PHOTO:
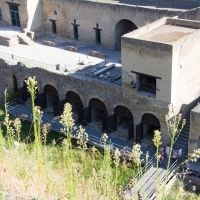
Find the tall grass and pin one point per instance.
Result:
(69, 169)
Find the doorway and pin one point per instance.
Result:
(53, 25)
(122, 27)
(14, 14)
(145, 130)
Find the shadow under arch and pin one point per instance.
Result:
(122, 122)
(122, 27)
(145, 130)
(96, 113)
(51, 98)
(77, 107)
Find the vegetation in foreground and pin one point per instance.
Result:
(59, 168)
(37, 164)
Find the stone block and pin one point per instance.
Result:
(97, 54)
(31, 34)
(71, 48)
(49, 43)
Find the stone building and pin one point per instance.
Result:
(159, 57)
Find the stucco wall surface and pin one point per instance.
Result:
(35, 16)
(149, 58)
(89, 13)
(186, 70)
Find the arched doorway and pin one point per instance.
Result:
(122, 27)
(52, 99)
(125, 123)
(76, 103)
(98, 114)
(145, 130)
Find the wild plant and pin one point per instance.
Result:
(157, 142)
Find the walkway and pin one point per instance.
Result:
(17, 109)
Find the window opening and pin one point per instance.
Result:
(14, 13)
(147, 84)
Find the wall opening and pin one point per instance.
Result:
(14, 80)
(75, 29)
(14, 14)
(97, 34)
(75, 101)
(52, 98)
(98, 111)
(53, 26)
(122, 27)
(125, 123)
(150, 124)
(147, 84)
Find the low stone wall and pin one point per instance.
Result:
(49, 43)
(8, 41)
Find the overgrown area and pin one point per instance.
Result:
(37, 163)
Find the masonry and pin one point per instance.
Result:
(158, 65)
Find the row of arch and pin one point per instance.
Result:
(95, 112)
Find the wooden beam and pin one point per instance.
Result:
(13, 4)
(75, 24)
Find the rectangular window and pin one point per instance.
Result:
(14, 14)
(147, 84)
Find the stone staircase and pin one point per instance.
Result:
(24, 39)
(182, 140)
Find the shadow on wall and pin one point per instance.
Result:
(186, 108)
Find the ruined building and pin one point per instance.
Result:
(147, 66)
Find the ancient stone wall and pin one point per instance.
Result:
(88, 13)
(87, 89)
(194, 136)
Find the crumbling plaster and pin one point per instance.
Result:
(88, 13)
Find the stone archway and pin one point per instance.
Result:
(125, 122)
(52, 99)
(145, 130)
(122, 27)
(74, 99)
(98, 114)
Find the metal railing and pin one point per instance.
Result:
(33, 63)
(171, 170)
(140, 174)
(13, 108)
